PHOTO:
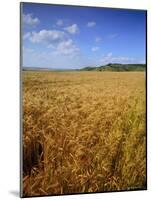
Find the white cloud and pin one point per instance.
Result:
(57, 41)
(109, 58)
(91, 24)
(67, 48)
(45, 36)
(28, 19)
(73, 29)
(48, 60)
(59, 22)
(95, 49)
(97, 39)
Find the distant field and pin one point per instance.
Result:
(83, 132)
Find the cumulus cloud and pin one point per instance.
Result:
(28, 19)
(67, 48)
(91, 24)
(73, 29)
(95, 49)
(57, 41)
(45, 36)
(59, 22)
(109, 58)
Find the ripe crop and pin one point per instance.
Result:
(83, 132)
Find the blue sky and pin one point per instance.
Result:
(74, 37)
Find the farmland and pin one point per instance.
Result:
(83, 132)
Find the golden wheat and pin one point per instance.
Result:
(83, 132)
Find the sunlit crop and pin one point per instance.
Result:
(83, 132)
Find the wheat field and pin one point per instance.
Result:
(83, 132)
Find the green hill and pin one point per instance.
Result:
(117, 67)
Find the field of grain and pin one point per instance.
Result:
(83, 132)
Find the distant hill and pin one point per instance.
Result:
(88, 69)
(46, 69)
(35, 69)
(116, 67)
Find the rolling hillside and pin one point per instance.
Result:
(117, 67)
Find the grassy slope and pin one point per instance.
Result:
(117, 67)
